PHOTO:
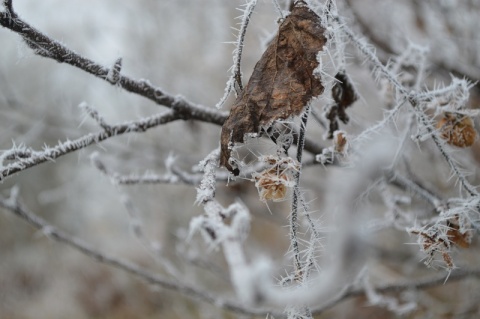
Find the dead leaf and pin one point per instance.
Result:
(344, 95)
(282, 83)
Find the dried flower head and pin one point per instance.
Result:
(272, 183)
(457, 129)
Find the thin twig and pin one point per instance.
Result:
(296, 191)
(236, 77)
(173, 176)
(237, 72)
(96, 116)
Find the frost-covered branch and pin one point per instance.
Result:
(296, 197)
(236, 77)
(13, 205)
(32, 158)
(453, 67)
(415, 99)
(47, 47)
(216, 231)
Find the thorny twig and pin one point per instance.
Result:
(414, 99)
(296, 193)
(236, 77)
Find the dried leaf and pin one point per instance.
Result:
(344, 95)
(282, 82)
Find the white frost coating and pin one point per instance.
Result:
(206, 191)
(240, 224)
(215, 231)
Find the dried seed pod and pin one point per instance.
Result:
(271, 186)
(272, 183)
(457, 129)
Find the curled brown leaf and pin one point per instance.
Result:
(282, 82)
